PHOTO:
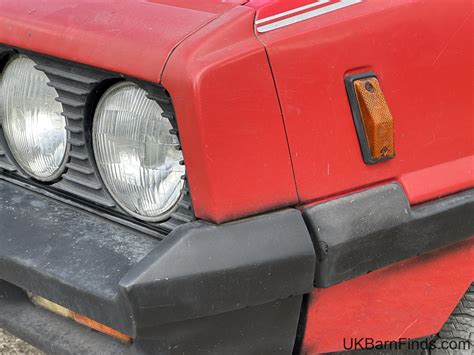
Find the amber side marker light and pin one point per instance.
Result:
(79, 318)
(372, 117)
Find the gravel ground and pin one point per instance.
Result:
(10, 345)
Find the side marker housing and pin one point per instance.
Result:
(372, 117)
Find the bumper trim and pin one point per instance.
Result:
(365, 231)
(67, 255)
(202, 269)
(268, 328)
(50, 332)
(195, 282)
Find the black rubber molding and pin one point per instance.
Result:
(234, 288)
(365, 231)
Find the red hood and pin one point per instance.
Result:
(131, 37)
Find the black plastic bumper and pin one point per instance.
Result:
(368, 230)
(234, 288)
(53, 333)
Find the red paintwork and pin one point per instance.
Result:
(439, 180)
(235, 139)
(233, 136)
(422, 53)
(411, 299)
(266, 8)
(212, 6)
(134, 38)
(425, 184)
(245, 167)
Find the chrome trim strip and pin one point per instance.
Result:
(289, 12)
(307, 15)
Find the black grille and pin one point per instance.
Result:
(79, 88)
(5, 162)
(75, 85)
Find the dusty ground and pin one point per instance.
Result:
(10, 345)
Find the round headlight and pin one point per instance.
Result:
(136, 154)
(31, 118)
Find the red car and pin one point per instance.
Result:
(236, 177)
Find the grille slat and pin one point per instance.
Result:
(159, 99)
(78, 155)
(186, 205)
(74, 129)
(72, 115)
(80, 169)
(5, 162)
(67, 75)
(69, 88)
(76, 142)
(70, 102)
(185, 218)
(94, 185)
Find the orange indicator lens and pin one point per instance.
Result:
(79, 318)
(376, 117)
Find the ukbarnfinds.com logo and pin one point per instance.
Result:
(405, 344)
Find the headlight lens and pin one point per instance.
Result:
(32, 122)
(136, 154)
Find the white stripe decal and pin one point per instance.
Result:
(306, 15)
(289, 12)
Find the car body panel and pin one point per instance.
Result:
(408, 300)
(238, 164)
(422, 54)
(135, 38)
(439, 180)
(233, 136)
(212, 6)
